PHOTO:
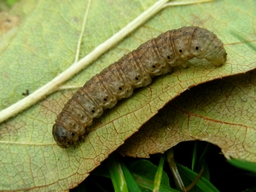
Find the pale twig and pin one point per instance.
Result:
(82, 32)
(186, 3)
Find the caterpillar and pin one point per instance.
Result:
(136, 69)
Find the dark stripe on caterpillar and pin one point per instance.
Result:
(136, 69)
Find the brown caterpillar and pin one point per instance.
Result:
(136, 69)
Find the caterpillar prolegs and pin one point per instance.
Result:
(135, 69)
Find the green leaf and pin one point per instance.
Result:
(246, 165)
(144, 173)
(202, 183)
(116, 174)
(221, 112)
(158, 175)
(131, 183)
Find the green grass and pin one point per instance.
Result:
(133, 174)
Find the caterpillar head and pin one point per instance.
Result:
(63, 137)
(218, 59)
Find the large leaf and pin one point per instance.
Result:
(221, 112)
(46, 44)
